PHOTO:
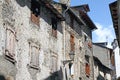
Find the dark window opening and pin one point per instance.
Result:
(71, 21)
(54, 27)
(87, 58)
(70, 69)
(85, 37)
(35, 11)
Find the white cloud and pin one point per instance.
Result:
(103, 34)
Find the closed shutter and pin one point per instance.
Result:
(10, 43)
(87, 69)
(34, 56)
(72, 43)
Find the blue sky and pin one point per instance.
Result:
(100, 15)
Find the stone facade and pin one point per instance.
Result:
(35, 42)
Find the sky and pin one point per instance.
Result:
(100, 15)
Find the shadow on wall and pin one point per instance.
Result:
(58, 75)
(24, 3)
(100, 77)
(2, 77)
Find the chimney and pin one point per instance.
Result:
(66, 2)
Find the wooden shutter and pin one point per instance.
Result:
(87, 69)
(34, 56)
(10, 43)
(72, 43)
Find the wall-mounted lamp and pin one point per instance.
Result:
(71, 55)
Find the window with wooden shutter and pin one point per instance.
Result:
(87, 69)
(34, 52)
(35, 12)
(10, 43)
(72, 43)
(87, 66)
(54, 27)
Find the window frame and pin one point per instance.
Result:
(32, 60)
(10, 44)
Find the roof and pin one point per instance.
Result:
(71, 11)
(52, 9)
(87, 20)
(102, 44)
(83, 9)
(83, 18)
(114, 14)
(100, 64)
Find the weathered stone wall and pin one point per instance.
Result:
(16, 14)
(80, 47)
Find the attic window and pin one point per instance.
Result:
(54, 27)
(35, 12)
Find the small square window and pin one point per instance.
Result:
(54, 27)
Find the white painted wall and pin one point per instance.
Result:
(117, 61)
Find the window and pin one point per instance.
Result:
(72, 43)
(34, 52)
(89, 44)
(71, 69)
(35, 11)
(54, 68)
(10, 44)
(87, 66)
(87, 69)
(85, 38)
(54, 27)
(54, 64)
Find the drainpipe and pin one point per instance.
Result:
(93, 61)
(64, 58)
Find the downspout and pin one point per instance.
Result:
(64, 58)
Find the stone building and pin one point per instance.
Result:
(44, 40)
(77, 32)
(103, 62)
(115, 14)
